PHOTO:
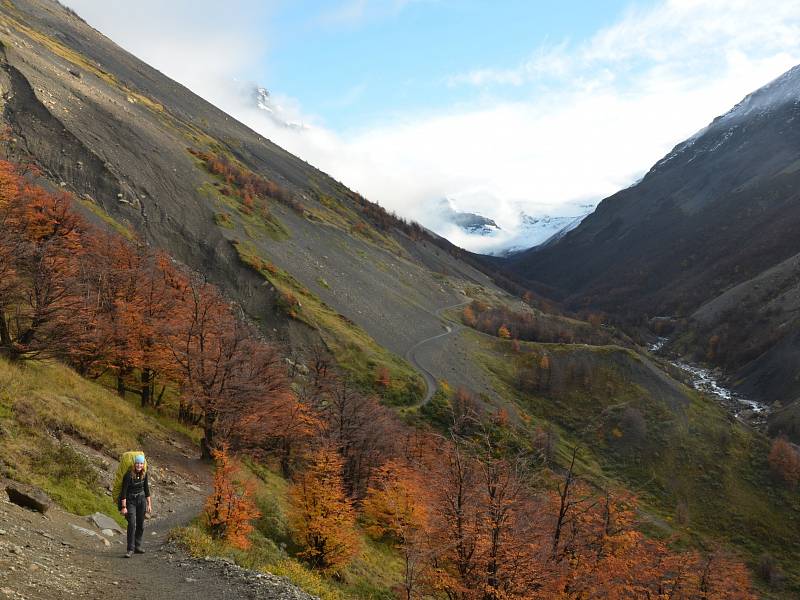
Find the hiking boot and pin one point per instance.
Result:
(128, 554)
(139, 551)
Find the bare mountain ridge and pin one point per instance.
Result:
(706, 223)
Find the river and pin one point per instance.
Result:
(705, 380)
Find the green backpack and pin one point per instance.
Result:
(125, 465)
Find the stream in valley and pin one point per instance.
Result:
(707, 381)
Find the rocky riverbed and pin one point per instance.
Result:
(709, 382)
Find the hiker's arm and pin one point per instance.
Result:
(147, 492)
(124, 492)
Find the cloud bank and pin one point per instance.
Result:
(572, 124)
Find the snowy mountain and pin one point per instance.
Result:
(540, 230)
(502, 235)
(264, 101)
(469, 222)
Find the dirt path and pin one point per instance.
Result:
(411, 355)
(61, 555)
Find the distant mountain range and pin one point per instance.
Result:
(527, 232)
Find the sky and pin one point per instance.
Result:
(503, 107)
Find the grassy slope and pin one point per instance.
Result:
(693, 455)
(40, 404)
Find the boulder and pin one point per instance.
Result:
(102, 521)
(28, 497)
(90, 533)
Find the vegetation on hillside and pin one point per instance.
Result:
(500, 523)
(369, 365)
(248, 188)
(535, 326)
(699, 472)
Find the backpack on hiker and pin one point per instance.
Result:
(125, 465)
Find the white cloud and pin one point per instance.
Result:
(587, 119)
(199, 43)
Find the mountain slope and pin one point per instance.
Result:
(117, 133)
(718, 211)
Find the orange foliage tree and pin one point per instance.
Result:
(784, 460)
(229, 509)
(396, 509)
(281, 425)
(321, 516)
(224, 369)
(360, 428)
(40, 250)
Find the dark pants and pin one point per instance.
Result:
(136, 507)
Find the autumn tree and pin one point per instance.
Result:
(40, 250)
(321, 516)
(468, 316)
(159, 286)
(382, 377)
(224, 368)
(456, 519)
(511, 560)
(466, 411)
(229, 510)
(102, 346)
(784, 460)
(360, 428)
(279, 426)
(396, 509)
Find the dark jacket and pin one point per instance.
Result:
(132, 487)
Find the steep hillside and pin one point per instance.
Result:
(119, 135)
(709, 226)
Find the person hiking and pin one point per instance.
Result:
(135, 499)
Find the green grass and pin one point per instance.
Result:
(352, 347)
(97, 210)
(232, 213)
(371, 574)
(40, 403)
(336, 213)
(223, 219)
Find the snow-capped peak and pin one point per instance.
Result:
(264, 101)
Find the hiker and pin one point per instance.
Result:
(135, 500)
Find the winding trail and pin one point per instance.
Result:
(411, 354)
